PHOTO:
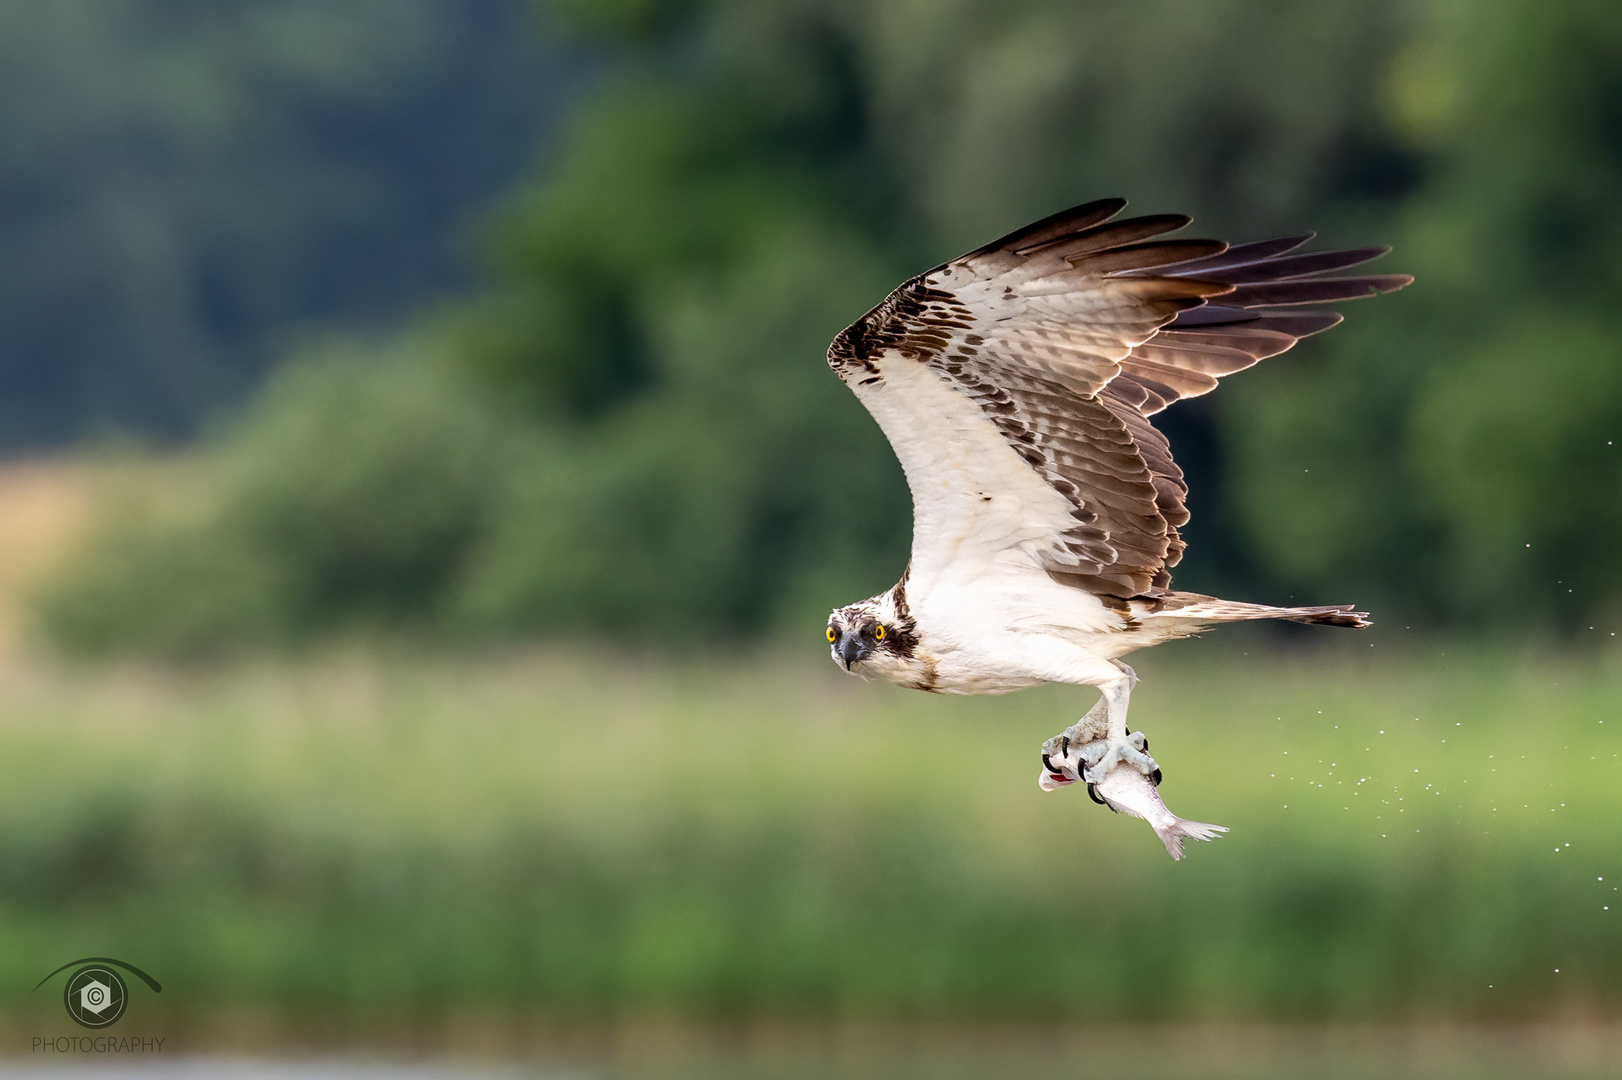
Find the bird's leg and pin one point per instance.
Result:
(1093, 746)
(1118, 745)
(1062, 755)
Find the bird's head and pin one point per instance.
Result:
(871, 637)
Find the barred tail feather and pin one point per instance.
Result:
(1191, 607)
(1332, 615)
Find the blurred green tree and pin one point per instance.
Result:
(1463, 459)
(184, 185)
(347, 498)
(750, 178)
(743, 180)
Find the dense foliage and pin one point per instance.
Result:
(346, 497)
(755, 176)
(742, 180)
(560, 841)
(1465, 450)
(185, 184)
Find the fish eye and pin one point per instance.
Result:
(833, 635)
(878, 632)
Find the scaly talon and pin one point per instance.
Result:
(1093, 746)
(1103, 756)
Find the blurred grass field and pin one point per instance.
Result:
(547, 837)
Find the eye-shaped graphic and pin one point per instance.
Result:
(95, 996)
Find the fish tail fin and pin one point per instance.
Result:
(1172, 835)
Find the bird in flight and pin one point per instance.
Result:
(1016, 385)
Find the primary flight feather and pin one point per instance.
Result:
(1015, 384)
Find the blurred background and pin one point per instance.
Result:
(423, 492)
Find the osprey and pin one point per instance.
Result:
(1016, 385)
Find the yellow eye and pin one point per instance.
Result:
(878, 632)
(831, 635)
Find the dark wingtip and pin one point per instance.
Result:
(1054, 226)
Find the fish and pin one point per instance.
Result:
(1124, 790)
(1127, 791)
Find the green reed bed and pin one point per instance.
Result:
(1416, 836)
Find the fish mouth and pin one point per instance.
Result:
(1054, 777)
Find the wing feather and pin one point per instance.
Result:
(1137, 258)
(1016, 383)
(1053, 227)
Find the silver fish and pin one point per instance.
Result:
(1127, 790)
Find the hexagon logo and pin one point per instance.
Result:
(95, 997)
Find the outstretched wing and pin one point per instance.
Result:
(1015, 383)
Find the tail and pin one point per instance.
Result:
(1172, 835)
(1193, 607)
(1330, 615)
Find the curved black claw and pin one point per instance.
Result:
(1064, 752)
(1156, 776)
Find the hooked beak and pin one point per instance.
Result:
(851, 650)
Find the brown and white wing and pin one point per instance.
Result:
(1015, 384)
